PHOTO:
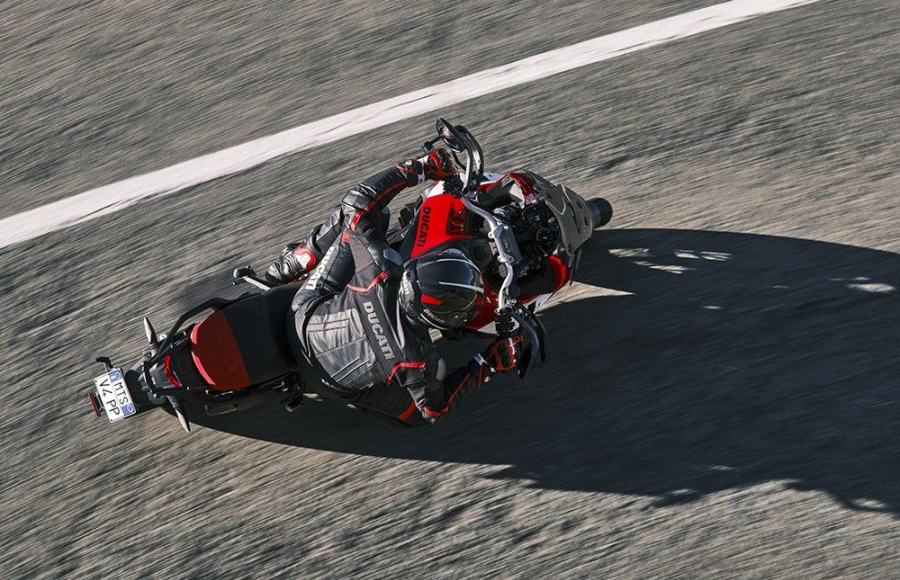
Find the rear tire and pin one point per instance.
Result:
(601, 211)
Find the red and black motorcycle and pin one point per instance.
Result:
(523, 232)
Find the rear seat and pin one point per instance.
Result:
(243, 344)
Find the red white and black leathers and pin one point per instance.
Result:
(350, 329)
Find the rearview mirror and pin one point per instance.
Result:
(449, 135)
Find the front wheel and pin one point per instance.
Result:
(601, 211)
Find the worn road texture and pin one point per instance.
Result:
(722, 396)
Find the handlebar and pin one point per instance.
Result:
(500, 234)
(459, 140)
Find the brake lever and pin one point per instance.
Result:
(544, 335)
(526, 362)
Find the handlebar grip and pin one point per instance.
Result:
(428, 146)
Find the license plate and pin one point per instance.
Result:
(114, 395)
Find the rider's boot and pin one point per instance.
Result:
(296, 260)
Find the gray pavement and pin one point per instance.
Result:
(97, 91)
(722, 397)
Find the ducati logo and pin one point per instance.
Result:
(378, 328)
(424, 223)
(316, 275)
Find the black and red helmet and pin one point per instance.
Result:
(442, 290)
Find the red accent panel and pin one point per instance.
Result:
(441, 219)
(521, 178)
(408, 412)
(345, 237)
(560, 271)
(428, 299)
(403, 365)
(486, 185)
(485, 313)
(524, 182)
(456, 221)
(167, 368)
(377, 279)
(217, 355)
(97, 411)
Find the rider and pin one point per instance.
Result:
(362, 317)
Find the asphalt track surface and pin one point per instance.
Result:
(722, 397)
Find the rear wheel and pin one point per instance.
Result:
(601, 211)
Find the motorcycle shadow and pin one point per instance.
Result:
(683, 363)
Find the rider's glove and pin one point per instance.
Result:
(438, 164)
(500, 357)
(435, 166)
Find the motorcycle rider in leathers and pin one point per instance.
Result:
(362, 317)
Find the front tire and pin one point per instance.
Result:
(601, 211)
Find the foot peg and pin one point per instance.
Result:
(248, 274)
(244, 271)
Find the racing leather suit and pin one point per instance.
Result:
(351, 333)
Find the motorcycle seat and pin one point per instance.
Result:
(245, 343)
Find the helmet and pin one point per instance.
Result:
(442, 290)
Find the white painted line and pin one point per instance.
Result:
(114, 197)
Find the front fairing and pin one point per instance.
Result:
(572, 213)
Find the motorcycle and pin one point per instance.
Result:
(523, 232)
